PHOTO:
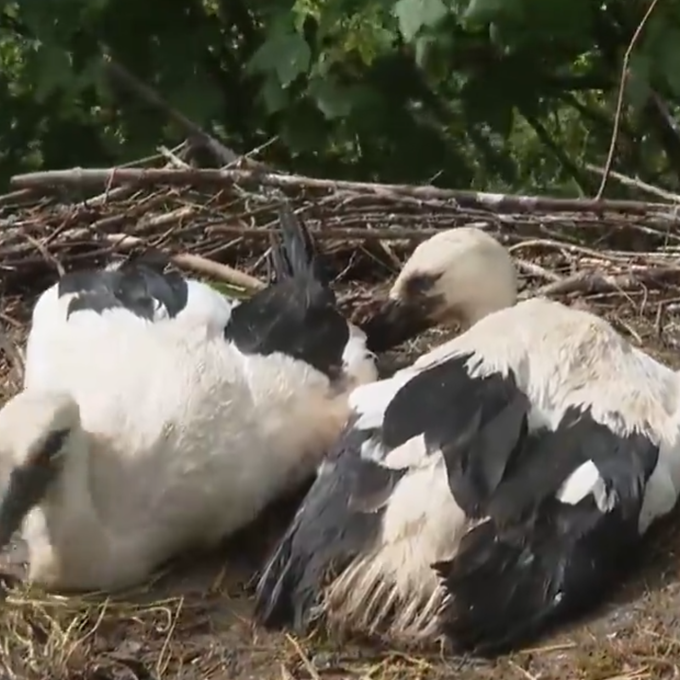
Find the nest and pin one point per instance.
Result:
(618, 257)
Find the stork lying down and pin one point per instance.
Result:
(497, 486)
(158, 416)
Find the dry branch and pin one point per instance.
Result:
(97, 177)
(623, 81)
(195, 263)
(636, 184)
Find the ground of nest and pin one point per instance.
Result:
(194, 621)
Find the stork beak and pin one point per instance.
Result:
(395, 322)
(27, 486)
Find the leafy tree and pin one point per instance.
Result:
(498, 94)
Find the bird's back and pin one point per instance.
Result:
(562, 356)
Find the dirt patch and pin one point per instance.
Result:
(194, 622)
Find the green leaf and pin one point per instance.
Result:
(285, 53)
(638, 85)
(304, 129)
(196, 97)
(482, 12)
(331, 99)
(668, 48)
(40, 18)
(487, 101)
(423, 49)
(413, 15)
(275, 98)
(51, 71)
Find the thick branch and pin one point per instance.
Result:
(586, 81)
(80, 178)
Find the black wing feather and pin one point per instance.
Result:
(136, 286)
(297, 315)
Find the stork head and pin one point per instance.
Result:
(453, 279)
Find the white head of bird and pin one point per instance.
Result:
(455, 278)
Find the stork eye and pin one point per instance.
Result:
(420, 284)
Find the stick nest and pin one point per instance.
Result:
(218, 223)
(619, 257)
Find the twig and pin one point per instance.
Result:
(637, 183)
(124, 192)
(81, 177)
(149, 160)
(309, 666)
(569, 247)
(46, 254)
(14, 196)
(333, 234)
(589, 282)
(173, 160)
(619, 101)
(249, 155)
(522, 671)
(535, 270)
(144, 223)
(199, 264)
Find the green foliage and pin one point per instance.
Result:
(416, 14)
(501, 94)
(284, 53)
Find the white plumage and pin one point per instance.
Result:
(158, 416)
(498, 485)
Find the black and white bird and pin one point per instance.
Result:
(497, 486)
(158, 416)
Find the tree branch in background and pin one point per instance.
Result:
(567, 164)
(663, 127)
(636, 183)
(619, 100)
(196, 135)
(594, 115)
(575, 83)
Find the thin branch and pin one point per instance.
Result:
(196, 263)
(15, 358)
(636, 183)
(664, 128)
(563, 159)
(619, 100)
(588, 282)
